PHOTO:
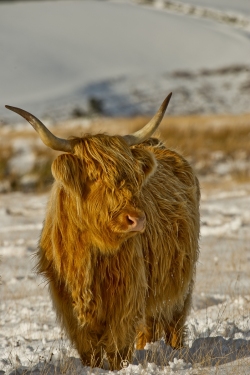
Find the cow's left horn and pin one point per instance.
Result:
(46, 136)
(146, 132)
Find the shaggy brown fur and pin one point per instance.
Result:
(112, 287)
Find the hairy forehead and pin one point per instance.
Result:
(108, 156)
(101, 146)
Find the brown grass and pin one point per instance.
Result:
(205, 141)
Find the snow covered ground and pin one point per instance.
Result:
(58, 55)
(218, 326)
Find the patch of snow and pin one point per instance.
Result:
(21, 228)
(218, 230)
(22, 163)
(17, 251)
(179, 364)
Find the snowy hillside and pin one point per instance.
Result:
(58, 56)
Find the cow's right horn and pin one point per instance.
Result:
(46, 136)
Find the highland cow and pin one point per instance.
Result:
(119, 244)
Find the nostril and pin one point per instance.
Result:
(136, 223)
(131, 221)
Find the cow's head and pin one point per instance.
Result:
(103, 177)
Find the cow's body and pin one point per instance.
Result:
(109, 298)
(120, 240)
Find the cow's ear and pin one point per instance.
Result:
(69, 170)
(146, 160)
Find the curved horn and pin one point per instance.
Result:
(146, 132)
(46, 136)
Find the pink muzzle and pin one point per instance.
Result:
(136, 224)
